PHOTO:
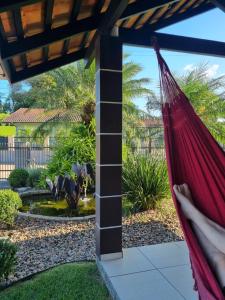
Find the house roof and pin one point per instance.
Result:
(40, 115)
(37, 36)
(152, 122)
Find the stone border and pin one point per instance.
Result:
(50, 218)
(32, 192)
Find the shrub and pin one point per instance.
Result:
(35, 176)
(145, 181)
(18, 178)
(7, 257)
(78, 148)
(10, 202)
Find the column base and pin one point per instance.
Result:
(111, 256)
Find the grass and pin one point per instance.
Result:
(67, 282)
(7, 130)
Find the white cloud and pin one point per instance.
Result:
(189, 67)
(210, 72)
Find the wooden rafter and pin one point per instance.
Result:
(47, 66)
(75, 27)
(113, 13)
(142, 6)
(49, 4)
(178, 17)
(101, 22)
(44, 39)
(73, 17)
(95, 12)
(13, 4)
(6, 65)
(19, 31)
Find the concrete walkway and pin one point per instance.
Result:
(155, 272)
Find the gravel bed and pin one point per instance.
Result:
(43, 244)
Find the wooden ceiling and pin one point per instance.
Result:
(37, 36)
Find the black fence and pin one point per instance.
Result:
(22, 153)
(147, 141)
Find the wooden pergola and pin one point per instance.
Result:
(37, 36)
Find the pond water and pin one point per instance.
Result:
(47, 206)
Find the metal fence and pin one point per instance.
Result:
(22, 153)
(148, 141)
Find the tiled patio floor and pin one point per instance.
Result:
(155, 272)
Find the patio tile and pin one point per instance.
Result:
(182, 245)
(166, 255)
(133, 261)
(181, 278)
(144, 286)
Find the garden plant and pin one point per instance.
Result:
(7, 258)
(18, 178)
(10, 202)
(145, 181)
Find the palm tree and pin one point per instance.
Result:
(206, 94)
(73, 87)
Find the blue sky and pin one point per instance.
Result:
(209, 25)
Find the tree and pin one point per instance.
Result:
(73, 87)
(206, 94)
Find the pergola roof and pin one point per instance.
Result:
(37, 36)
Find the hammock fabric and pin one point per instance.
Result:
(193, 157)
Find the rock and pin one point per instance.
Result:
(43, 243)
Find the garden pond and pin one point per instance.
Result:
(45, 205)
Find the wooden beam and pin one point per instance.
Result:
(12, 4)
(143, 37)
(47, 66)
(178, 17)
(46, 38)
(49, 4)
(75, 27)
(96, 11)
(138, 21)
(219, 3)
(75, 10)
(19, 31)
(142, 6)
(5, 64)
(138, 7)
(113, 13)
(73, 17)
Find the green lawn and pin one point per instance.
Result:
(7, 130)
(79, 281)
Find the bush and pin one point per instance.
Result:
(7, 257)
(35, 176)
(18, 178)
(78, 148)
(10, 202)
(145, 181)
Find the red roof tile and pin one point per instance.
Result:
(152, 122)
(40, 115)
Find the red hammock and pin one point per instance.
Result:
(193, 157)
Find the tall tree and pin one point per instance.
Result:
(73, 87)
(206, 94)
